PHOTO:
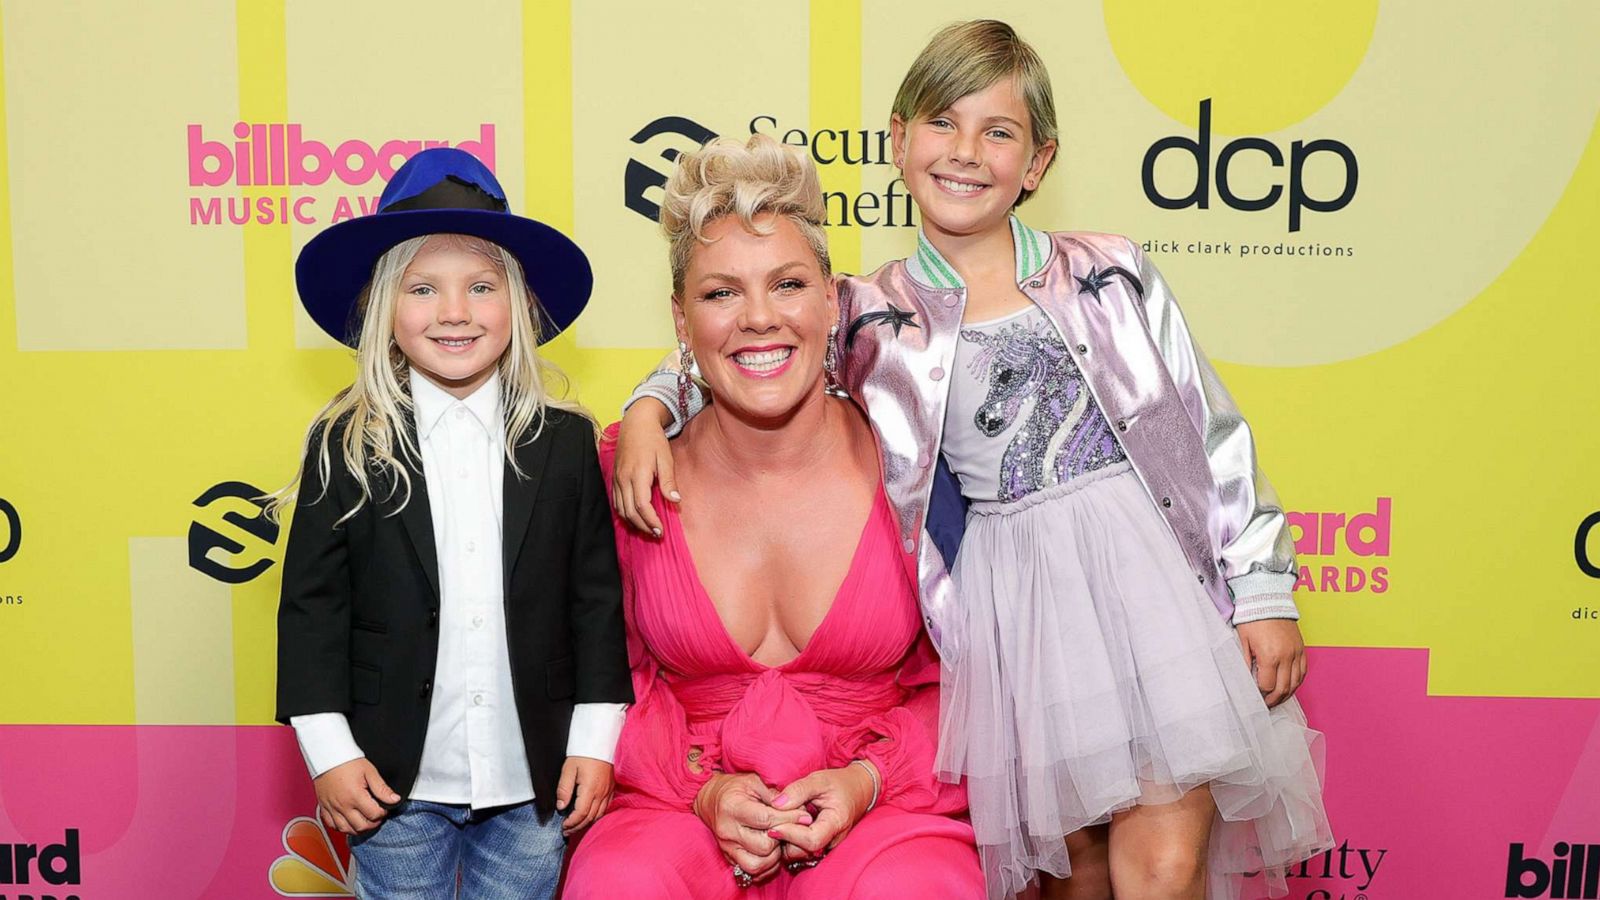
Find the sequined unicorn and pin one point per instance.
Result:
(1026, 363)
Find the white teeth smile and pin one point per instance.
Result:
(765, 360)
(958, 186)
(455, 342)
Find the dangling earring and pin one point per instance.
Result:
(830, 364)
(685, 363)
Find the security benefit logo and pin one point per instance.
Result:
(1343, 873)
(41, 871)
(236, 554)
(1571, 872)
(263, 172)
(640, 181)
(828, 147)
(1340, 552)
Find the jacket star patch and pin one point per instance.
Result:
(1099, 278)
(894, 317)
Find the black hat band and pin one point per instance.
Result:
(450, 193)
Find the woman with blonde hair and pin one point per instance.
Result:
(782, 741)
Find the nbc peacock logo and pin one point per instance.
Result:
(315, 866)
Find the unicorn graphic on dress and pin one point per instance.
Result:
(1031, 363)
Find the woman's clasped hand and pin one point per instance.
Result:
(759, 827)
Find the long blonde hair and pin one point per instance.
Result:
(376, 410)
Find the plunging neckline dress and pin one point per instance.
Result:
(865, 686)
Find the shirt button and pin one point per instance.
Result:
(426, 690)
(1166, 502)
(952, 299)
(461, 413)
(472, 546)
(433, 618)
(923, 460)
(477, 699)
(911, 546)
(1202, 578)
(1122, 425)
(937, 373)
(1036, 283)
(477, 621)
(1083, 348)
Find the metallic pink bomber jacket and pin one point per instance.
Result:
(1179, 427)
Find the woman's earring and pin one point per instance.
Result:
(830, 363)
(685, 363)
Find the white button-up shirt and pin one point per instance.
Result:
(473, 752)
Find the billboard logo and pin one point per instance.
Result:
(640, 179)
(53, 864)
(203, 538)
(315, 866)
(267, 160)
(1364, 534)
(1573, 873)
(1199, 147)
(278, 155)
(13, 527)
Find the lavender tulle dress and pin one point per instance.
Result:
(1097, 675)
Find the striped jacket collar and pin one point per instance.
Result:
(1032, 249)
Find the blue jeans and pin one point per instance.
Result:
(425, 850)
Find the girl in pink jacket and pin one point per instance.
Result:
(1041, 405)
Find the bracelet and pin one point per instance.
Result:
(876, 784)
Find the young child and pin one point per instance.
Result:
(1120, 543)
(450, 641)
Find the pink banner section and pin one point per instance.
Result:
(209, 812)
(1448, 796)
(1429, 796)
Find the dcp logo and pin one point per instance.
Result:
(228, 567)
(13, 530)
(1580, 547)
(639, 178)
(1200, 148)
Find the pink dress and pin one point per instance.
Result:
(865, 686)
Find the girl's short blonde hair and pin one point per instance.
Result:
(969, 57)
(724, 178)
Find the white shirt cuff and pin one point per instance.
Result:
(325, 741)
(595, 729)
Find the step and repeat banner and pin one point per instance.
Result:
(1380, 218)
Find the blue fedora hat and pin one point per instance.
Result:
(442, 190)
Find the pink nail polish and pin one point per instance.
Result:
(775, 834)
(781, 800)
(806, 820)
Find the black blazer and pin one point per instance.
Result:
(358, 622)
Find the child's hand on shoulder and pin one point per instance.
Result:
(349, 796)
(585, 790)
(643, 458)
